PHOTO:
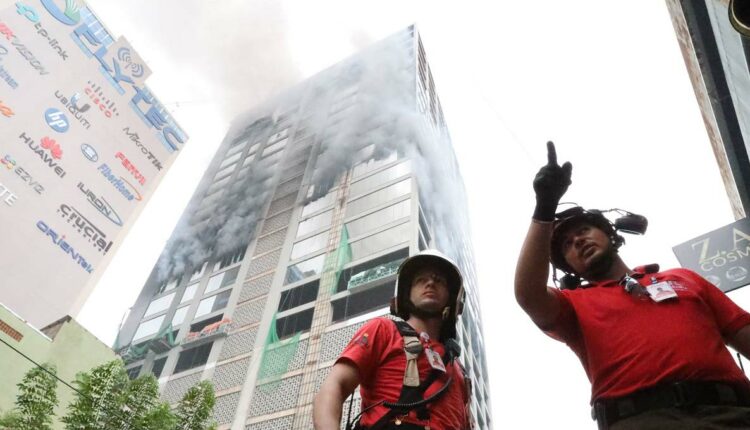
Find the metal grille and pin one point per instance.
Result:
(283, 395)
(335, 341)
(282, 203)
(321, 376)
(289, 186)
(271, 241)
(231, 374)
(276, 222)
(238, 343)
(283, 423)
(176, 388)
(264, 263)
(274, 355)
(248, 313)
(255, 287)
(356, 404)
(225, 407)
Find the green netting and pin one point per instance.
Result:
(373, 274)
(136, 352)
(338, 259)
(277, 355)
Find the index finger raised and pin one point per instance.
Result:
(551, 154)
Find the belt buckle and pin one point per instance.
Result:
(683, 396)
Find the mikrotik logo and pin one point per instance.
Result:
(11, 164)
(60, 241)
(5, 110)
(56, 120)
(133, 135)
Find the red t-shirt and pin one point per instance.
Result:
(627, 343)
(377, 350)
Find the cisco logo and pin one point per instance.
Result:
(56, 120)
(89, 152)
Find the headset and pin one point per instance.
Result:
(626, 222)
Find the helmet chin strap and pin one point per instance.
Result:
(429, 314)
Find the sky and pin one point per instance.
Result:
(604, 80)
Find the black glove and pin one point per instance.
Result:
(550, 183)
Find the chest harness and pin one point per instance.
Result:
(412, 390)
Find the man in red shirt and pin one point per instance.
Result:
(652, 343)
(407, 375)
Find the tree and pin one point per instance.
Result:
(194, 410)
(107, 399)
(35, 402)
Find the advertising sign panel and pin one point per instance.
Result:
(721, 256)
(84, 144)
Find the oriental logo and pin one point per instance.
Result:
(58, 240)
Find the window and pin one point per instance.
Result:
(230, 160)
(198, 272)
(179, 316)
(379, 218)
(371, 270)
(304, 269)
(372, 164)
(232, 257)
(213, 303)
(237, 146)
(197, 327)
(380, 241)
(298, 296)
(315, 223)
(189, 293)
(372, 182)
(148, 328)
(193, 357)
(168, 284)
(316, 205)
(270, 149)
(158, 367)
(377, 198)
(222, 280)
(134, 371)
(293, 324)
(309, 245)
(224, 172)
(362, 302)
(278, 136)
(159, 305)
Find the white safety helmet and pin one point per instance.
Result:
(401, 304)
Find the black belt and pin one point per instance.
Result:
(394, 426)
(679, 394)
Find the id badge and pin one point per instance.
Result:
(661, 291)
(435, 361)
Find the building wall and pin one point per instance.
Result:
(70, 348)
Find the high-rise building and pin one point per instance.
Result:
(293, 239)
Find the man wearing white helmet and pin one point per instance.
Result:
(407, 370)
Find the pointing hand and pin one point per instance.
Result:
(550, 184)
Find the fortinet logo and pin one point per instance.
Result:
(131, 168)
(48, 152)
(60, 242)
(85, 228)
